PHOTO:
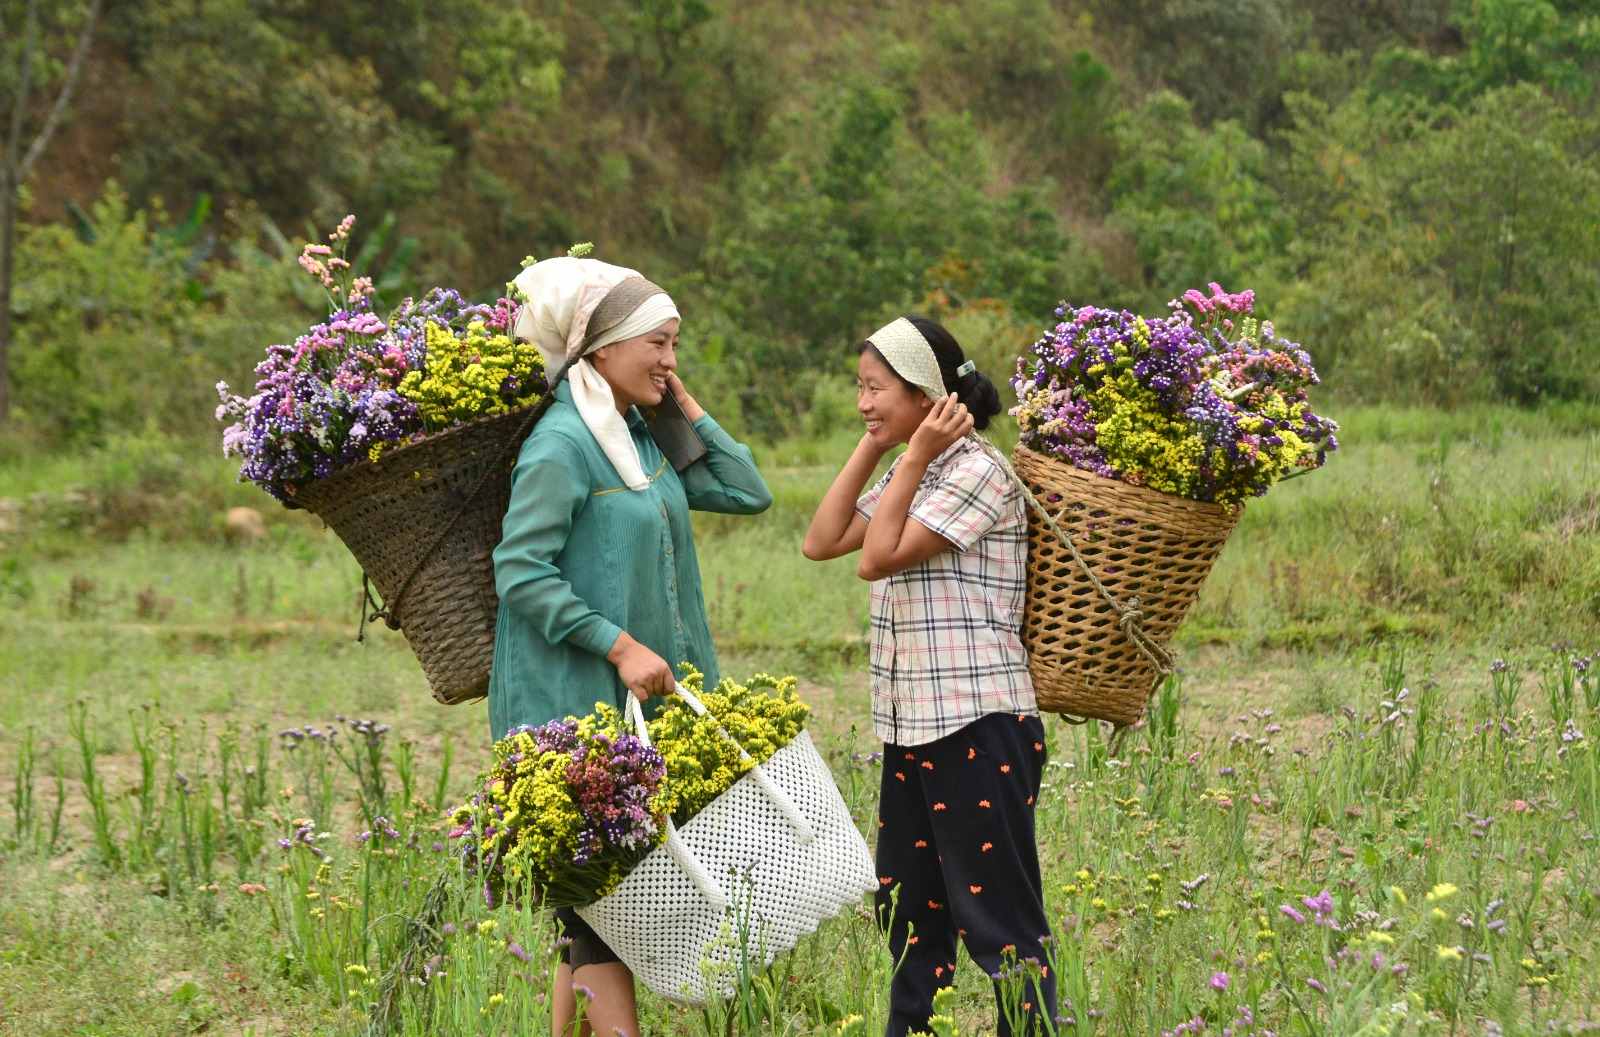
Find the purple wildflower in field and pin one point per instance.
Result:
(1219, 981)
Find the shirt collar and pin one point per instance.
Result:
(634, 419)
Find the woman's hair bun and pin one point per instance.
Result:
(973, 389)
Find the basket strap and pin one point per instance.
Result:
(1130, 617)
(389, 611)
(680, 853)
(780, 799)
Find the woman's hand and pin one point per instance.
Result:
(641, 671)
(947, 422)
(691, 410)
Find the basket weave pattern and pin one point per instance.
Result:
(1146, 547)
(389, 513)
(752, 888)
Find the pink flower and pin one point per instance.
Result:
(1219, 981)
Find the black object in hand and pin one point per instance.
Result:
(674, 433)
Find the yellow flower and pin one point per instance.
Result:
(1448, 953)
(1377, 936)
(486, 926)
(496, 999)
(1398, 894)
(356, 970)
(1443, 891)
(1438, 914)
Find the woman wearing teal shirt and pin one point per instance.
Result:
(596, 570)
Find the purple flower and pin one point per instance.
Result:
(1291, 914)
(1219, 981)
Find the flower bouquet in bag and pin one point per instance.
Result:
(399, 431)
(759, 851)
(569, 807)
(1141, 438)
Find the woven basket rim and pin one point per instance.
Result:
(329, 483)
(1171, 500)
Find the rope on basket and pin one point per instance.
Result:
(389, 611)
(1130, 617)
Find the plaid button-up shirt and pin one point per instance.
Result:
(947, 632)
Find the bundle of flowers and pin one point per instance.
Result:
(357, 384)
(1207, 402)
(763, 715)
(569, 806)
(572, 805)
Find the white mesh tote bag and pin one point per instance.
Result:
(759, 867)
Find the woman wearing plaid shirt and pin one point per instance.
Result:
(943, 538)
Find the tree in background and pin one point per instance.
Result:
(30, 65)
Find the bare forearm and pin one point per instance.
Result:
(827, 534)
(887, 529)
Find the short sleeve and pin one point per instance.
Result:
(966, 503)
(868, 502)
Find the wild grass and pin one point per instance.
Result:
(172, 863)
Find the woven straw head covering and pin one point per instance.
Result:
(903, 346)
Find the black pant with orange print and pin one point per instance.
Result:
(957, 860)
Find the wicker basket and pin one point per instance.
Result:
(1150, 550)
(430, 514)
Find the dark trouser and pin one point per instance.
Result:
(581, 945)
(956, 844)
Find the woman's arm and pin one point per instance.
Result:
(548, 490)
(725, 480)
(837, 529)
(892, 542)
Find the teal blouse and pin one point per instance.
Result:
(582, 558)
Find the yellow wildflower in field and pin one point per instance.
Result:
(1448, 953)
(1443, 891)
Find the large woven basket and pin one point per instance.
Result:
(1150, 550)
(760, 867)
(412, 515)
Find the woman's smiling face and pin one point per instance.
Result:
(637, 368)
(891, 410)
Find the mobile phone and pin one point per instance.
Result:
(674, 434)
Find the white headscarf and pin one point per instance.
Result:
(561, 296)
(903, 346)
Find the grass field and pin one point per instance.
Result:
(1336, 727)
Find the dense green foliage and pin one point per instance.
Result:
(1411, 188)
